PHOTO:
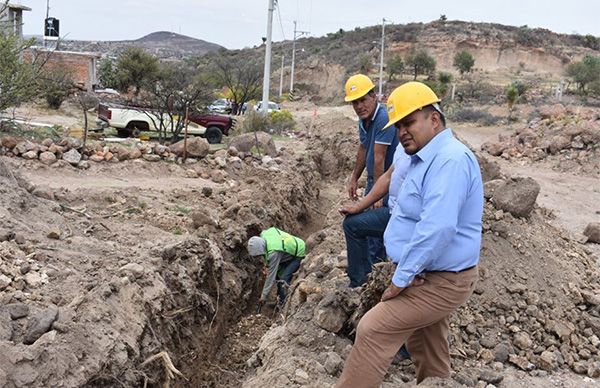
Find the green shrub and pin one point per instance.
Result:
(275, 123)
(281, 120)
(470, 115)
(444, 77)
(255, 121)
(55, 86)
(463, 62)
(584, 72)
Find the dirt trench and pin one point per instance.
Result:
(112, 277)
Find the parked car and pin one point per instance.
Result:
(131, 120)
(221, 105)
(271, 107)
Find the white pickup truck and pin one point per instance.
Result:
(130, 121)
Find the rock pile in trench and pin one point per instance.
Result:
(536, 306)
(88, 295)
(566, 136)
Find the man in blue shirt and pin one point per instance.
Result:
(434, 237)
(376, 154)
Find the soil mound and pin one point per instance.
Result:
(535, 310)
(101, 286)
(567, 137)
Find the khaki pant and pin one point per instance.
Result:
(419, 317)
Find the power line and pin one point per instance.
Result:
(280, 23)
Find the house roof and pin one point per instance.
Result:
(18, 7)
(67, 53)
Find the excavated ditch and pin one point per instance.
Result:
(140, 286)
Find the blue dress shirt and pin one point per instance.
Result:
(376, 134)
(436, 224)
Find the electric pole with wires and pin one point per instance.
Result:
(267, 69)
(297, 34)
(383, 21)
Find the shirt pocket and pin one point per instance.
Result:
(410, 200)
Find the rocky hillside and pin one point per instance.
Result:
(164, 44)
(496, 48)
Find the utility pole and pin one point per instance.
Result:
(281, 77)
(296, 35)
(267, 70)
(46, 20)
(381, 56)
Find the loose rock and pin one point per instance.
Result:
(41, 324)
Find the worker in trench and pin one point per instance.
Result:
(281, 253)
(433, 236)
(375, 154)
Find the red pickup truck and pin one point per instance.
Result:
(130, 121)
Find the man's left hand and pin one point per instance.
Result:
(259, 306)
(391, 292)
(378, 204)
(349, 208)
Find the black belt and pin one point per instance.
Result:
(466, 269)
(459, 271)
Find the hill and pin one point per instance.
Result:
(164, 44)
(324, 63)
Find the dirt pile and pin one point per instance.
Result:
(133, 260)
(534, 312)
(71, 151)
(567, 137)
(332, 143)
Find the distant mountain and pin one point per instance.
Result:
(163, 44)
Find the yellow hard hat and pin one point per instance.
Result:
(357, 86)
(407, 98)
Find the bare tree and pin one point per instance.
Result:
(87, 102)
(166, 97)
(243, 78)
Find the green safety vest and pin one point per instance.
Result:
(280, 241)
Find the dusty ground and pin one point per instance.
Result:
(139, 258)
(574, 199)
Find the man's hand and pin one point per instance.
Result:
(265, 270)
(259, 306)
(349, 208)
(393, 291)
(352, 187)
(378, 204)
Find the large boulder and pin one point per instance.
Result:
(72, 156)
(9, 142)
(558, 143)
(552, 111)
(245, 143)
(592, 232)
(493, 148)
(197, 147)
(516, 196)
(47, 157)
(41, 324)
(489, 170)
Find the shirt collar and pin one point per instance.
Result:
(434, 144)
(372, 118)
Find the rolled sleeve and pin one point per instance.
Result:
(385, 136)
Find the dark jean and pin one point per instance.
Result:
(284, 277)
(376, 247)
(357, 228)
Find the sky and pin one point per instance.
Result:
(237, 23)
